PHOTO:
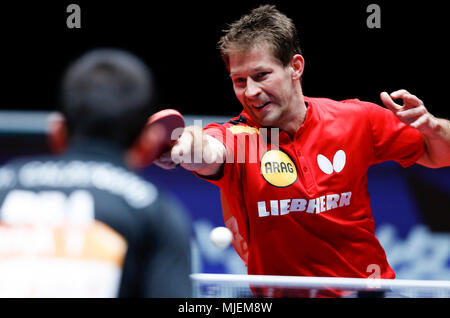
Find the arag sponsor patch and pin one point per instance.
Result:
(278, 169)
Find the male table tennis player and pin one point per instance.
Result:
(303, 208)
(83, 224)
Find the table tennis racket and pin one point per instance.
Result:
(160, 127)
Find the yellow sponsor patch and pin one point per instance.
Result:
(278, 169)
(243, 129)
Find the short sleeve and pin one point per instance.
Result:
(392, 139)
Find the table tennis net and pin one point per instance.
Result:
(251, 286)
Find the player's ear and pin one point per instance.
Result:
(57, 135)
(297, 66)
(137, 156)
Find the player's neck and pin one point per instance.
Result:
(296, 117)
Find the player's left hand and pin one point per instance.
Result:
(412, 112)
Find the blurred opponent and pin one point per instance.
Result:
(292, 169)
(82, 224)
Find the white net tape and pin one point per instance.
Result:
(247, 286)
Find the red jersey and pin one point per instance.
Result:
(302, 207)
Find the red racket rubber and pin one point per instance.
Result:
(163, 123)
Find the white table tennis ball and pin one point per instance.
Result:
(221, 237)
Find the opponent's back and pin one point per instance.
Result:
(83, 225)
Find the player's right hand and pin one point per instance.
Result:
(194, 151)
(165, 161)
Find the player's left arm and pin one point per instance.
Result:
(435, 131)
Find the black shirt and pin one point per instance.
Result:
(82, 224)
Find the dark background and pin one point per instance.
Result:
(344, 58)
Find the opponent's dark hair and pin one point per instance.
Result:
(107, 93)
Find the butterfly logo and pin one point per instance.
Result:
(338, 162)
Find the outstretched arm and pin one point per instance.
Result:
(195, 151)
(435, 131)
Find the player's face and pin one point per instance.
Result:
(263, 85)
